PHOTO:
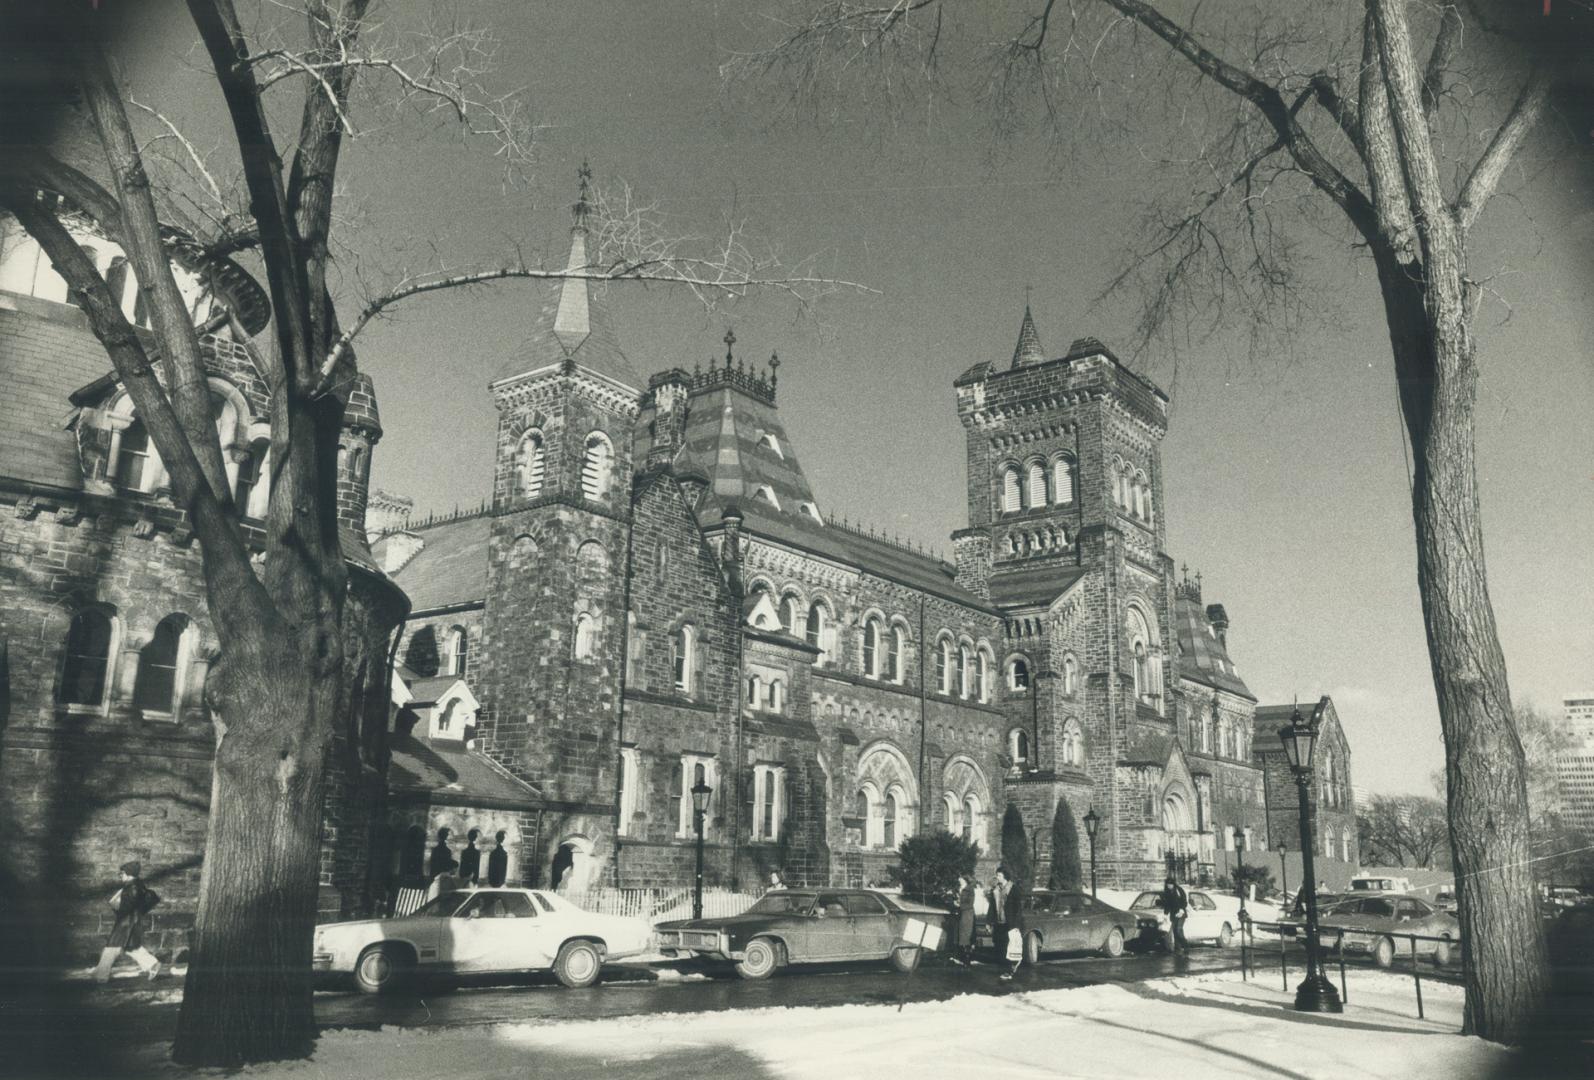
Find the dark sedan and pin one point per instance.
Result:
(808, 926)
(1372, 924)
(1063, 921)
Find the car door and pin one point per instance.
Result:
(871, 927)
(827, 932)
(1070, 922)
(494, 932)
(1205, 920)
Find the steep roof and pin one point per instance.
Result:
(447, 772)
(451, 567)
(1027, 586)
(1203, 656)
(1028, 351)
(573, 324)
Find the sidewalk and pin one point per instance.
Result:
(1189, 1027)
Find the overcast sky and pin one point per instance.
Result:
(1285, 479)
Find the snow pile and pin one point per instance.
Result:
(1200, 1026)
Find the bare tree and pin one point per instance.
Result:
(274, 691)
(1402, 830)
(1307, 118)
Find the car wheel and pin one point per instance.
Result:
(381, 969)
(578, 964)
(905, 958)
(1384, 953)
(1114, 945)
(1225, 936)
(1441, 953)
(760, 959)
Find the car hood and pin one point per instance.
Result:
(725, 922)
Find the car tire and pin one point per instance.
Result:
(1225, 936)
(760, 959)
(1032, 947)
(1384, 953)
(905, 958)
(578, 964)
(1441, 953)
(1114, 945)
(381, 969)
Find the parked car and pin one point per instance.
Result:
(477, 931)
(1206, 921)
(1380, 883)
(806, 926)
(1065, 921)
(1369, 923)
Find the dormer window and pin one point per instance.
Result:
(136, 463)
(767, 493)
(812, 511)
(769, 441)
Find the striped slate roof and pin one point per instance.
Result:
(1203, 657)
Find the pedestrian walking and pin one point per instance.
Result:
(1176, 905)
(968, 889)
(1007, 921)
(470, 861)
(132, 904)
(497, 862)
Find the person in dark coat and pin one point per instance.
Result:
(470, 860)
(132, 904)
(1176, 905)
(498, 862)
(1007, 915)
(442, 856)
(964, 944)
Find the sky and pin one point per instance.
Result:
(1285, 477)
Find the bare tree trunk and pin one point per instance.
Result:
(1501, 947)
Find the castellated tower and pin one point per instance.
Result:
(557, 562)
(362, 429)
(1065, 538)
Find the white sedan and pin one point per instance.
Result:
(479, 931)
(1208, 917)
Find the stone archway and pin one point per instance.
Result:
(571, 869)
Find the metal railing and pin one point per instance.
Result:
(1287, 931)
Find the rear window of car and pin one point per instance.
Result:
(1202, 902)
(498, 906)
(1146, 901)
(782, 903)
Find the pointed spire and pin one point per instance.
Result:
(1029, 343)
(573, 322)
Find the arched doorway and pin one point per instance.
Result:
(1179, 838)
(571, 869)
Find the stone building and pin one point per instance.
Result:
(105, 640)
(655, 597)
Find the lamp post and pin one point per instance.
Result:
(1092, 823)
(1239, 875)
(700, 794)
(1316, 993)
(1284, 870)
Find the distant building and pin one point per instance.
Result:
(1577, 719)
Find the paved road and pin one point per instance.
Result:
(697, 988)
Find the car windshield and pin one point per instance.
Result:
(782, 903)
(1146, 901)
(442, 907)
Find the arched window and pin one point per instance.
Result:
(1063, 481)
(1018, 674)
(529, 465)
(458, 651)
(872, 813)
(788, 615)
(892, 812)
(1070, 675)
(982, 676)
(954, 813)
(159, 684)
(1018, 746)
(755, 692)
(973, 820)
(90, 645)
(586, 636)
(963, 671)
(943, 667)
(682, 647)
(1010, 490)
(1037, 484)
(591, 558)
(597, 466)
(1206, 733)
(136, 463)
(896, 648)
(1344, 843)
(777, 695)
(1141, 641)
(1073, 745)
(816, 630)
(871, 648)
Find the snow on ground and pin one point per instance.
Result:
(1188, 1028)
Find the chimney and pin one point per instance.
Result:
(669, 389)
(1220, 622)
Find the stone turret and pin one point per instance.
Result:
(362, 429)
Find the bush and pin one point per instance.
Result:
(1015, 845)
(1260, 875)
(1066, 871)
(931, 863)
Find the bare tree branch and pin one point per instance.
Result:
(1445, 45)
(1485, 177)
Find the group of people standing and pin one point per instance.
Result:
(1002, 906)
(447, 873)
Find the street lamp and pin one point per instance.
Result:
(1239, 875)
(1092, 823)
(700, 794)
(1316, 993)
(1284, 870)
